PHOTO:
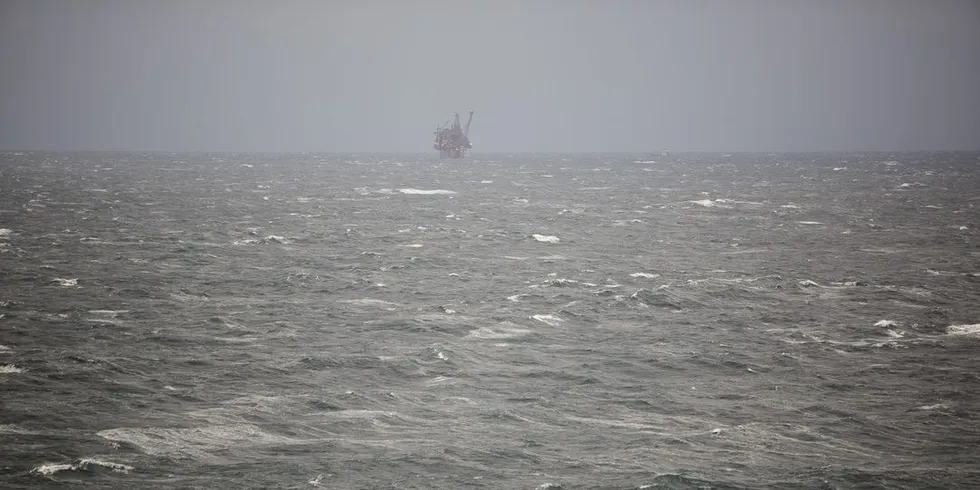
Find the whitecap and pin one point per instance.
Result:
(809, 222)
(109, 313)
(370, 302)
(425, 192)
(546, 238)
(197, 441)
(65, 283)
(645, 275)
(499, 332)
(52, 468)
(560, 282)
(548, 319)
(10, 369)
(82, 464)
(965, 330)
(316, 481)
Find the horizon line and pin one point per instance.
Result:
(496, 152)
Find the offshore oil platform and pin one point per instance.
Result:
(452, 139)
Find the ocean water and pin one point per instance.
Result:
(229, 321)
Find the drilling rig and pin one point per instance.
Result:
(452, 140)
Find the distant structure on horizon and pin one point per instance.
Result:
(453, 141)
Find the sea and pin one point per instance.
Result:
(504, 321)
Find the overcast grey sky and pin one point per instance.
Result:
(542, 75)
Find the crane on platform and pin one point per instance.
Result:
(452, 138)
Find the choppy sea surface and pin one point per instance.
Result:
(229, 321)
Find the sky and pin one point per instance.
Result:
(541, 75)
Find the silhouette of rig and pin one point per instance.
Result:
(452, 139)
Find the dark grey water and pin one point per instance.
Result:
(297, 321)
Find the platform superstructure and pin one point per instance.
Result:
(452, 138)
